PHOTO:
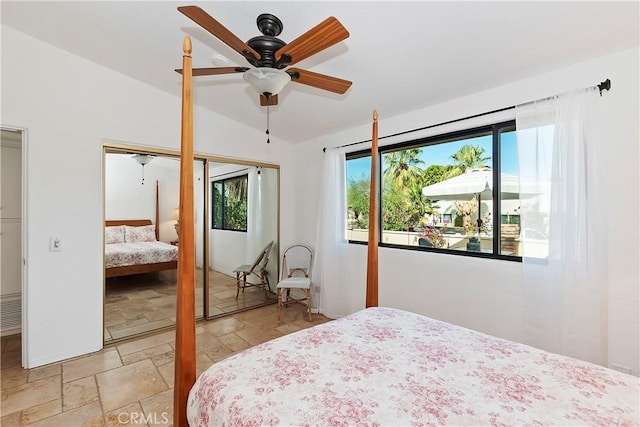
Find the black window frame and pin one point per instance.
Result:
(222, 203)
(495, 131)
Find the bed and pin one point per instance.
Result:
(132, 247)
(379, 366)
(383, 366)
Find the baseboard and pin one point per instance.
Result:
(9, 332)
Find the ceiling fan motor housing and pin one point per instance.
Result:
(267, 44)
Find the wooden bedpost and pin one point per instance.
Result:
(185, 352)
(157, 212)
(372, 258)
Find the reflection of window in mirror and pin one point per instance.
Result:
(229, 203)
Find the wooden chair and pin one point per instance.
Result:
(258, 269)
(296, 274)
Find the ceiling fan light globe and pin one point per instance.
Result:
(143, 159)
(265, 80)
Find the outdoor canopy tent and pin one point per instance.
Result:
(474, 182)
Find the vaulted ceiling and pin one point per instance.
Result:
(400, 55)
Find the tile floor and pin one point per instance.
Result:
(141, 303)
(128, 383)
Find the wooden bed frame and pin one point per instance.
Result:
(185, 352)
(139, 268)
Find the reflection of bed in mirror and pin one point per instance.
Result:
(132, 247)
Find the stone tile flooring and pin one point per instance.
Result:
(141, 303)
(128, 383)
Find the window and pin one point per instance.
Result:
(229, 201)
(438, 193)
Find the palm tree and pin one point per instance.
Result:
(402, 177)
(467, 158)
(402, 167)
(416, 204)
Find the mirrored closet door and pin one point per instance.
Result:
(243, 236)
(142, 240)
(236, 224)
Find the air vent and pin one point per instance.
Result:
(10, 315)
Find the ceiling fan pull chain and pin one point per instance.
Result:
(142, 174)
(268, 142)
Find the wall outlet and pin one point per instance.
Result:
(620, 368)
(55, 244)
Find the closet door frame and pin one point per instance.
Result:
(24, 283)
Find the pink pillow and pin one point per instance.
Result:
(145, 233)
(114, 234)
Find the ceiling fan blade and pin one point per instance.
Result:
(207, 22)
(325, 34)
(321, 81)
(272, 100)
(214, 71)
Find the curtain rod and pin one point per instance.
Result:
(605, 85)
(229, 173)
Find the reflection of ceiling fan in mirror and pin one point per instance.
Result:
(271, 56)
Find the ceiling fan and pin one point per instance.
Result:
(271, 57)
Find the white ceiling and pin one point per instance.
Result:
(400, 56)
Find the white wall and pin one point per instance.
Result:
(486, 295)
(228, 251)
(68, 109)
(127, 198)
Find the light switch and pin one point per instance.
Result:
(55, 244)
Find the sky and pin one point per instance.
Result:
(441, 155)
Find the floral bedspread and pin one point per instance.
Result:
(383, 366)
(123, 254)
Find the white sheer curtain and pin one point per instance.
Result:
(331, 239)
(564, 254)
(262, 217)
(255, 225)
